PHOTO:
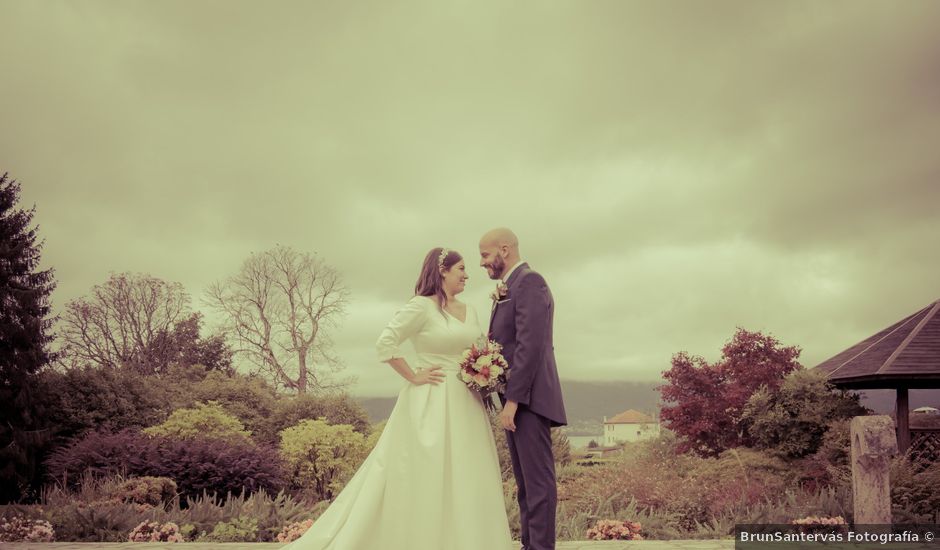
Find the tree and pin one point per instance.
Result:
(280, 307)
(89, 398)
(792, 420)
(25, 335)
(250, 399)
(125, 321)
(705, 401)
(333, 408)
(182, 345)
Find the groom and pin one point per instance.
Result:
(521, 322)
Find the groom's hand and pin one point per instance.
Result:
(508, 416)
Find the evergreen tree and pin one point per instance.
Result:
(25, 335)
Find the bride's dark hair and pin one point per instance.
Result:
(431, 280)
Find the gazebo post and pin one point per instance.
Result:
(903, 421)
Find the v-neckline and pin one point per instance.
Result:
(466, 313)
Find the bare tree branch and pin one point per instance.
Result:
(276, 309)
(121, 319)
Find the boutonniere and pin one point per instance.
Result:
(499, 292)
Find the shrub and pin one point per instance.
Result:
(204, 421)
(792, 420)
(152, 531)
(240, 529)
(249, 399)
(294, 531)
(20, 529)
(98, 522)
(561, 448)
(321, 458)
(915, 495)
(196, 466)
(85, 399)
(608, 529)
(99, 453)
(693, 490)
(333, 409)
(272, 513)
(152, 491)
(214, 466)
(821, 524)
(375, 433)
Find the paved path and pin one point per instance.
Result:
(567, 545)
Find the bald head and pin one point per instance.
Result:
(499, 251)
(501, 236)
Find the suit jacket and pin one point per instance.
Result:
(522, 323)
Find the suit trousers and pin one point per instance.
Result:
(530, 448)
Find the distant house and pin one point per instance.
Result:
(926, 410)
(629, 426)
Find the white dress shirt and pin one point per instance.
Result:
(508, 273)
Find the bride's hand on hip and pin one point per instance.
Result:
(433, 376)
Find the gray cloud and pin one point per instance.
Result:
(674, 169)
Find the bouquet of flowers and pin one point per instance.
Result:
(484, 370)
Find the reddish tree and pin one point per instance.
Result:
(704, 401)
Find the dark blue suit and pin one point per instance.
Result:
(522, 323)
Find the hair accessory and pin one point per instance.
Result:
(442, 257)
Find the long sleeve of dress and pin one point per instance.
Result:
(406, 322)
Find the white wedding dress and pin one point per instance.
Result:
(433, 480)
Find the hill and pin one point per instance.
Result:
(587, 403)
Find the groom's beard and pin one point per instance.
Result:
(497, 268)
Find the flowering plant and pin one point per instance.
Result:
(154, 532)
(484, 370)
(20, 529)
(820, 524)
(499, 292)
(611, 529)
(293, 531)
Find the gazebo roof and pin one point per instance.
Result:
(906, 354)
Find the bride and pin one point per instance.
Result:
(433, 481)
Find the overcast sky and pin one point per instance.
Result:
(674, 169)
